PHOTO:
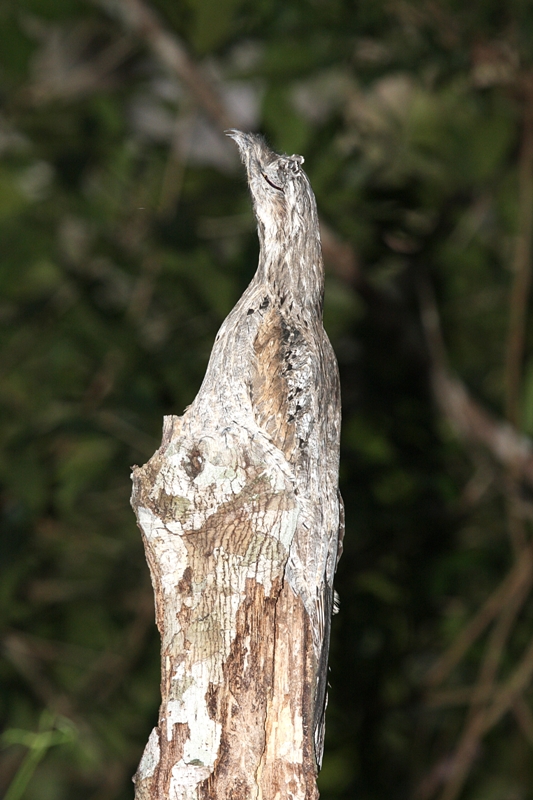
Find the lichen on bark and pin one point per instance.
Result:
(240, 516)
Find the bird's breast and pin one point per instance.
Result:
(283, 375)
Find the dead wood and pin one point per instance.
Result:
(241, 520)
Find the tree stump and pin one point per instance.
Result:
(241, 520)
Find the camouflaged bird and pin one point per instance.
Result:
(283, 373)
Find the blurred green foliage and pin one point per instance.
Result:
(126, 237)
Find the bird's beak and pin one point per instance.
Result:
(233, 133)
(242, 140)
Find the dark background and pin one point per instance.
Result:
(126, 236)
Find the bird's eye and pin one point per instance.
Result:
(279, 189)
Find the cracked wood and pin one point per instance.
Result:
(242, 525)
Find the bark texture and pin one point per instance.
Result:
(242, 522)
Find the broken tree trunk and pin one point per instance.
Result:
(240, 516)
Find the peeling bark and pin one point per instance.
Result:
(240, 516)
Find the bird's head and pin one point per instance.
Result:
(280, 189)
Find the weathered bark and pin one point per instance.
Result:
(240, 516)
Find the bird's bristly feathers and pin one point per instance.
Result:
(281, 381)
(287, 219)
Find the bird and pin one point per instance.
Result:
(281, 375)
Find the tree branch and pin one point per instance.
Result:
(144, 23)
(240, 517)
(513, 584)
(470, 421)
(522, 264)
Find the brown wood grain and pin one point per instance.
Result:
(240, 516)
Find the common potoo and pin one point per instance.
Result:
(241, 522)
(283, 370)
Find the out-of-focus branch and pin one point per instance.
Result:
(483, 720)
(498, 638)
(524, 717)
(518, 303)
(513, 584)
(468, 418)
(522, 264)
(18, 651)
(62, 68)
(511, 690)
(470, 421)
(107, 672)
(482, 717)
(144, 23)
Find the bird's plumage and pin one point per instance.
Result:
(284, 375)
